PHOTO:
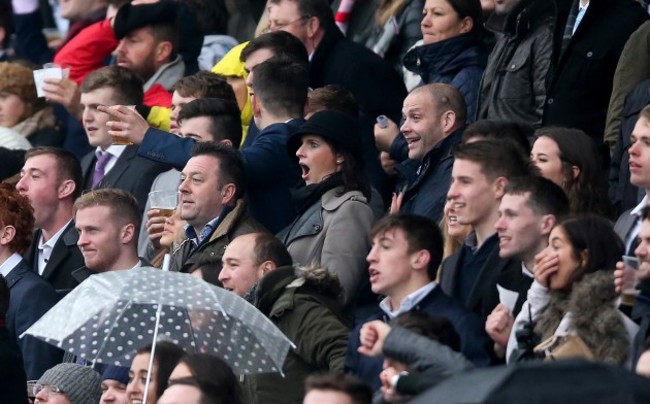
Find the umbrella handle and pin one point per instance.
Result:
(152, 354)
(165, 267)
(166, 262)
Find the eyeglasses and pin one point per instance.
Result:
(278, 26)
(49, 389)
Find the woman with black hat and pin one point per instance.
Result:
(334, 218)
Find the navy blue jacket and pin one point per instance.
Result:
(271, 172)
(474, 342)
(426, 194)
(483, 296)
(30, 297)
(457, 61)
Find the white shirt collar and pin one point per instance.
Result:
(526, 271)
(45, 248)
(50, 243)
(409, 302)
(115, 150)
(10, 264)
(637, 210)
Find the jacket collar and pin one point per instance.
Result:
(521, 18)
(331, 38)
(271, 287)
(331, 199)
(445, 56)
(167, 75)
(229, 218)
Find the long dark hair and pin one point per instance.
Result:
(595, 236)
(588, 191)
(166, 357)
(213, 369)
(352, 172)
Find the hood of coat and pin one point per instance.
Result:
(287, 280)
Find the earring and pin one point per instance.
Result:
(339, 161)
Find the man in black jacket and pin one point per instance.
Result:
(479, 176)
(51, 179)
(434, 116)
(513, 86)
(589, 36)
(404, 260)
(375, 85)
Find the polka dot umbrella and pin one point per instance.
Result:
(110, 315)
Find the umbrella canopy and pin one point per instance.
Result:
(567, 381)
(110, 315)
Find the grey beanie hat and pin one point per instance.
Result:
(80, 383)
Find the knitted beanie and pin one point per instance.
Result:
(80, 384)
(119, 373)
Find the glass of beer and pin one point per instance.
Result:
(164, 201)
(117, 140)
(630, 279)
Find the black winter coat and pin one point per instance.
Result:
(581, 83)
(513, 87)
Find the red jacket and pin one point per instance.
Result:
(88, 50)
(158, 96)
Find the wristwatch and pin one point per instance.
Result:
(395, 379)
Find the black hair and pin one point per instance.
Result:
(420, 232)
(486, 129)
(497, 158)
(166, 357)
(281, 43)
(437, 328)
(595, 236)
(281, 86)
(224, 117)
(544, 196)
(231, 165)
(588, 191)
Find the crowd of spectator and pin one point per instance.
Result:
(407, 189)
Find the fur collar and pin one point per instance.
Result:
(594, 317)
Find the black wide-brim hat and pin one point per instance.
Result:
(131, 17)
(337, 128)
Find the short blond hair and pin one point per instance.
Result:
(123, 205)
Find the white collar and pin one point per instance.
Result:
(637, 210)
(114, 149)
(50, 243)
(10, 263)
(409, 302)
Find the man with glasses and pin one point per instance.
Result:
(375, 85)
(68, 383)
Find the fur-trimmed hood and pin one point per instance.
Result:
(278, 286)
(593, 316)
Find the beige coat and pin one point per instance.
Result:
(334, 233)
